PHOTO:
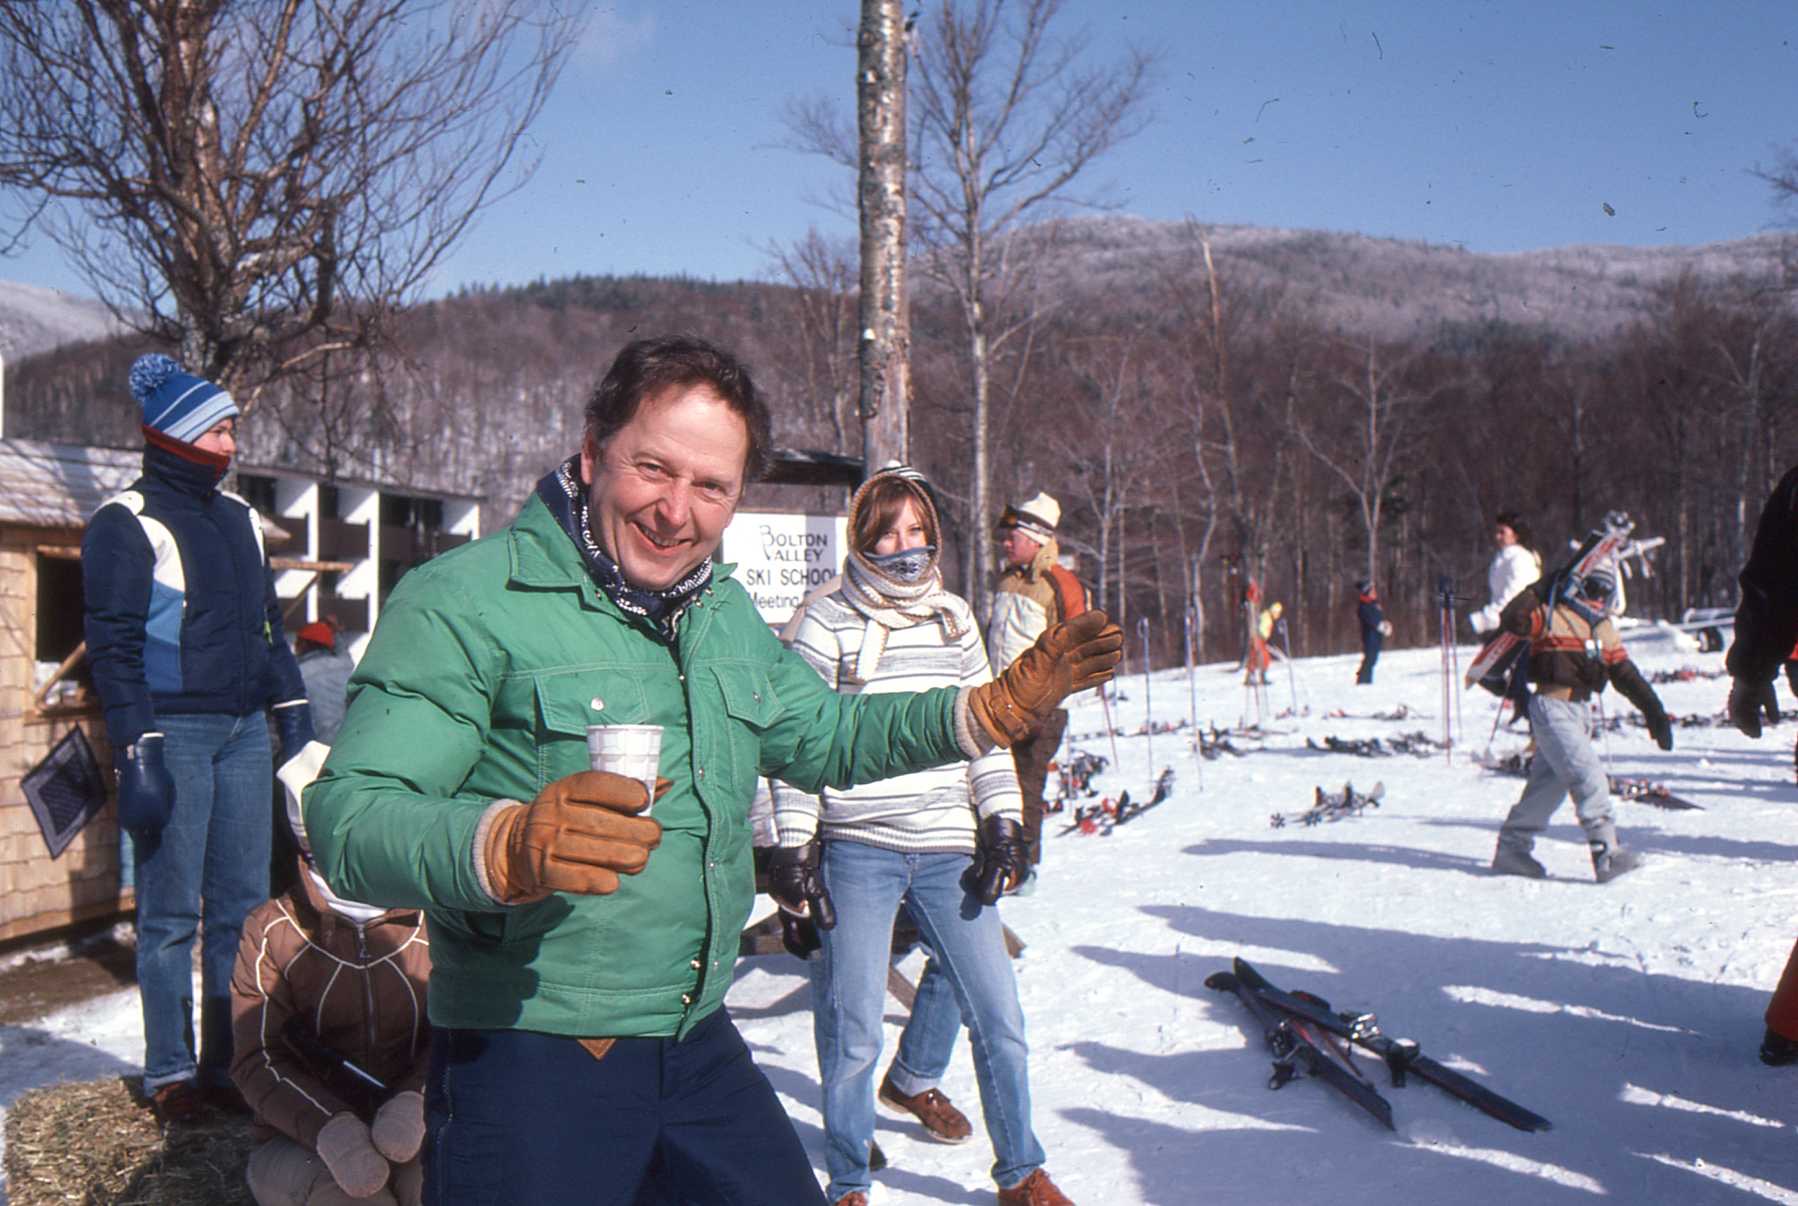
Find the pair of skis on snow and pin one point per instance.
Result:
(1332, 806)
(1100, 819)
(1308, 1038)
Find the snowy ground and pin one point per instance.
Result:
(1629, 1014)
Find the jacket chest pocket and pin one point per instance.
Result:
(750, 707)
(567, 701)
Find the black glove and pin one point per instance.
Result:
(146, 789)
(293, 724)
(1745, 706)
(1002, 860)
(1661, 729)
(796, 886)
(798, 934)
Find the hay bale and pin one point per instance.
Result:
(97, 1143)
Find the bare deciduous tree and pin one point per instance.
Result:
(884, 326)
(1007, 119)
(1368, 454)
(823, 277)
(264, 185)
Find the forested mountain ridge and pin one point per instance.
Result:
(1339, 405)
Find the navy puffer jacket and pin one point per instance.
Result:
(181, 612)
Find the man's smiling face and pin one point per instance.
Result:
(666, 484)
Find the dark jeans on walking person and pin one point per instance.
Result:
(522, 1116)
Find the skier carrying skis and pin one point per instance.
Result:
(1766, 628)
(1375, 628)
(1514, 566)
(1574, 651)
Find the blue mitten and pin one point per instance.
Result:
(146, 789)
(293, 724)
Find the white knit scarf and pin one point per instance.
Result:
(887, 605)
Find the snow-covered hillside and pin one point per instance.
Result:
(1629, 1014)
(34, 319)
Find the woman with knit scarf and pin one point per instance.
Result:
(945, 843)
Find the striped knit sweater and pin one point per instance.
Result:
(932, 811)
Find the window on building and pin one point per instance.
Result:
(59, 631)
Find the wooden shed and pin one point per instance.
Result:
(338, 548)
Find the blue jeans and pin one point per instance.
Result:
(203, 874)
(849, 976)
(927, 1043)
(519, 1116)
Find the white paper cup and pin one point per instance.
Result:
(631, 750)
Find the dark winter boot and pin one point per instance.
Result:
(1509, 860)
(1777, 1050)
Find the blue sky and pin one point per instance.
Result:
(1499, 126)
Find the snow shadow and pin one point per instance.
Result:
(1651, 1079)
(1298, 847)
(32, 1058)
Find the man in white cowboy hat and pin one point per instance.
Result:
(1035, 593)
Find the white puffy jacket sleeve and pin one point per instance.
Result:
(1513, 568)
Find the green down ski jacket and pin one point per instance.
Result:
(485, 670)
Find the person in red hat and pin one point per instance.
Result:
(327, 675)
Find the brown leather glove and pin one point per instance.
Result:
(350, 1158)
(398, 1130)
(1073, 655)
(577, 836)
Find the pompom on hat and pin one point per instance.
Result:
(175, 402)
(1036, 516)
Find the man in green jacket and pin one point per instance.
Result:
(582, 948)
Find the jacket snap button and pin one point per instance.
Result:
(597, 704)
(702, 772)
(686, 998)
(695, 964)
(756, 695)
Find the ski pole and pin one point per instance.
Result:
(1111, 728)
(1292, 675)
(1442, 587)
(1148, 713)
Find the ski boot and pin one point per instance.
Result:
(1509, 860)
(1611, 860)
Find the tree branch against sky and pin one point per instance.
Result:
(265, 184)
(1006, 117)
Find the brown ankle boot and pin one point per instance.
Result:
(942, 1121)
(1034, 1190)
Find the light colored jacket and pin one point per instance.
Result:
(926, 811)
(1513, 568)
(1026, 605)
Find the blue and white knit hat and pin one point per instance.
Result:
(175, 402)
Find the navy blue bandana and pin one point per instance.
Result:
(565, 494)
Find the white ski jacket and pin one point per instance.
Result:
(1513, 568)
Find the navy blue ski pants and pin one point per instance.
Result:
(514, 1116)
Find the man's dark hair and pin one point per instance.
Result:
(647, 367)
